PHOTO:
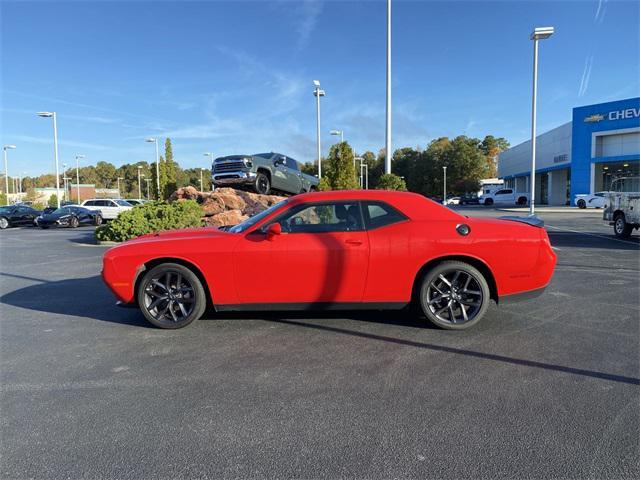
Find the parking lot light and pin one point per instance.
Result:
(6, 170)
(210, 154)
(539, 33)
(444, 187)
(64, 179)
(148, 180)
(118, 182)
(78, 157)
(318, 92)
(139, 188)
(338, 132)
(155, 140)
(52, 115)
(387, 143)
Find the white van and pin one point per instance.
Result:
(110, 208)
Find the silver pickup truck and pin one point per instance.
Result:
(622, 206)
(262, 172)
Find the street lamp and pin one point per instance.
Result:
(387, 143)
(139, 188)
(118, 181)
(210, 154)
(64, 179)
(201, 184)
(55, 149)
(78, 157)
(540, 33)
(338, 132)
(6, 170)
(148, 180)
(155, 140)
(318, 92)
(444, 196)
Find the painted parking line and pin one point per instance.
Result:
(597, 235)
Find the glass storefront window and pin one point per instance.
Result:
(605, 173)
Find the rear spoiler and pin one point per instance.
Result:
(532, 220)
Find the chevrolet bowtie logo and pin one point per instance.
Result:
(594, 118)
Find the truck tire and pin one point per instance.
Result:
(621, 228)
(582, 204)
(522, 201)
(488, 202)
(263, 184)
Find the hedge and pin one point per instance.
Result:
(150, 218)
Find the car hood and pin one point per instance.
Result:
(51, 217)
(182, 234)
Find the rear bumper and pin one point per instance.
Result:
(521, 297)
(233, 178)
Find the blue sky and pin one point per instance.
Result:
(236, 77)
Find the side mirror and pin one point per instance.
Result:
(273, 230)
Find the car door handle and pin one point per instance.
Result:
(353, 242)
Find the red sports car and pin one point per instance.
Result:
(364, 249)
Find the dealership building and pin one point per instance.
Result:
(581, 156)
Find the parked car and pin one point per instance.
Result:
(453, 201)
(469, 199)
(136, 201)
(590, 200)
(262, 172)
(17, 215)
(109, 208)
(505, 196)
(341, 249)
(69, 216)
(622, 207)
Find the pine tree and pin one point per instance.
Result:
(340, 173)
(170, 184)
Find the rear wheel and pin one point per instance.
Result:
(263, 184)
(98, 220)
(4, 223)
(620, 227)
(582, 204)
(522, 201)
(73, 222)
(171, 296)
(488, 202)
(454, 295)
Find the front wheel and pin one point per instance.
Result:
(4, 223)
(454, 295)
(73, 223)
(97, 221)
(263, 185)
(488, 202)
(582, 204)
(171, 296)
(621, 228)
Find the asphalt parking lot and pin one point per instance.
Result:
(543, 389)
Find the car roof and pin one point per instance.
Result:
(415, 206)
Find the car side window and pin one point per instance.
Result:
(292, 164)
(89, 203)
(322, 218)
(379, 214)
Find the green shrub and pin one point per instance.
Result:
(389, 181)
(149, 218)
(53, 201)
(3, 199)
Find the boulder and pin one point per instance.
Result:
(229, 217)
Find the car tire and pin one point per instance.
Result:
(263, 184)
(4, 223)
(171, 296)
(522, 201)
(73, 222)
(488, 202)
(448, 289)
(581, 204)
(97, 221)
(621, 228)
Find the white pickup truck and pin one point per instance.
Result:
(504, 196)
(622, 207)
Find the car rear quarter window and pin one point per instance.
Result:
(380, 214)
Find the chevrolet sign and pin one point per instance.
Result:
(595, 118)
(614, 115)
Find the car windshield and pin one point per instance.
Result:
(250, 222)
(5, 209)
(61, 211)
(122, 203)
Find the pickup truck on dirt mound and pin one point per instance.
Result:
(262, 172)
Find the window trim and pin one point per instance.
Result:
(367, 219)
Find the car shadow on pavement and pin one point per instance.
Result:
(80, 297)
(561, 239)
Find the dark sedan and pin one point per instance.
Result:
(17, 215)
(69, 217)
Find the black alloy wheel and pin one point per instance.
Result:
(488, 202)
(171, 296)
(582, 204)
(263, 185)
(454, 295)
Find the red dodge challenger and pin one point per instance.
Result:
(364, 249)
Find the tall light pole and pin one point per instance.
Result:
(387, 143)
(6, 170)
(78, 157)
(210, 154)
(155, 140)
(55, 149)
(118, 181)
(139, 187)
(338, 132)
(318, 92)
(539, 33)
(148, 180)
(64, 179)
(444, 187)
